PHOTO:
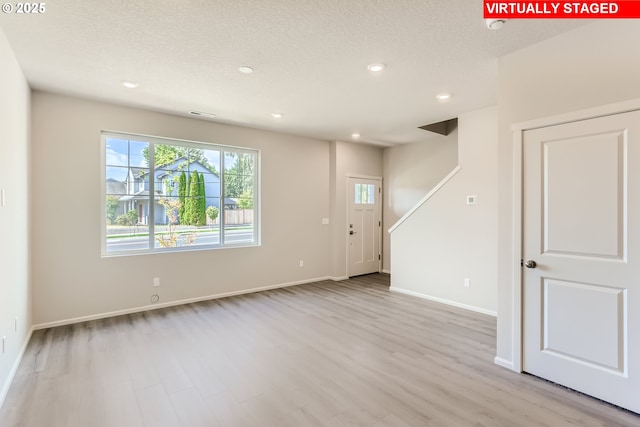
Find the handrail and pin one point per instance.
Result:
(429, 195)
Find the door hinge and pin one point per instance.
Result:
(521, 263)
(379, 190)
(379, 257)
(379, 223)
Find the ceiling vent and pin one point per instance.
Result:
(202, 114)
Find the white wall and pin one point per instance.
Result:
(594, 65)
(347, 159)
(14, 231)
(410, 172)
(71, 280)
(445, 240)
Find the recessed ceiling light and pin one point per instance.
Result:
(376, 68)
(129, 84)
(245, 69)
(202, 114)
(442, 97)
(355, 135)
(277, 115)
(495, 24)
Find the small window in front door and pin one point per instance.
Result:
(365, 194)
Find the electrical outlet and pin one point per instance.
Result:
(156, 282)
(467, 282)
(301, 263)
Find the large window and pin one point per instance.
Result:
(164, 195)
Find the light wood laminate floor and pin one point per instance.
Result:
(347, 353)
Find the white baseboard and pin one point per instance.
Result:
(172, 304)
(445, 301)
(503, 362)
(14, 369)
(386, 271)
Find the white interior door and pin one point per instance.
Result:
(581, 218)
(364, 225)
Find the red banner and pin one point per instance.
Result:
(561, 9)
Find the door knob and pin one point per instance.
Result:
(530, 264)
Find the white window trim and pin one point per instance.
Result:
(257, 205)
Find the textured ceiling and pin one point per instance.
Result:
(309, 57)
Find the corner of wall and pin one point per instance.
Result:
(446, 242)
(347, 158)
(15, 279)
(410, 171)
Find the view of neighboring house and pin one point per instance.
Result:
(134, 190)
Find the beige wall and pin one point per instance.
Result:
(71, 280)
(14, 231)
(410, 172)
(445, 240)
(588, 67)
(347, 159)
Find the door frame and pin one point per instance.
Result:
(517, 131)
(348, 176)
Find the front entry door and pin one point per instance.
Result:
(364, 226)
(581, 244)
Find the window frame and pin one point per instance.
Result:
(156, 140)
